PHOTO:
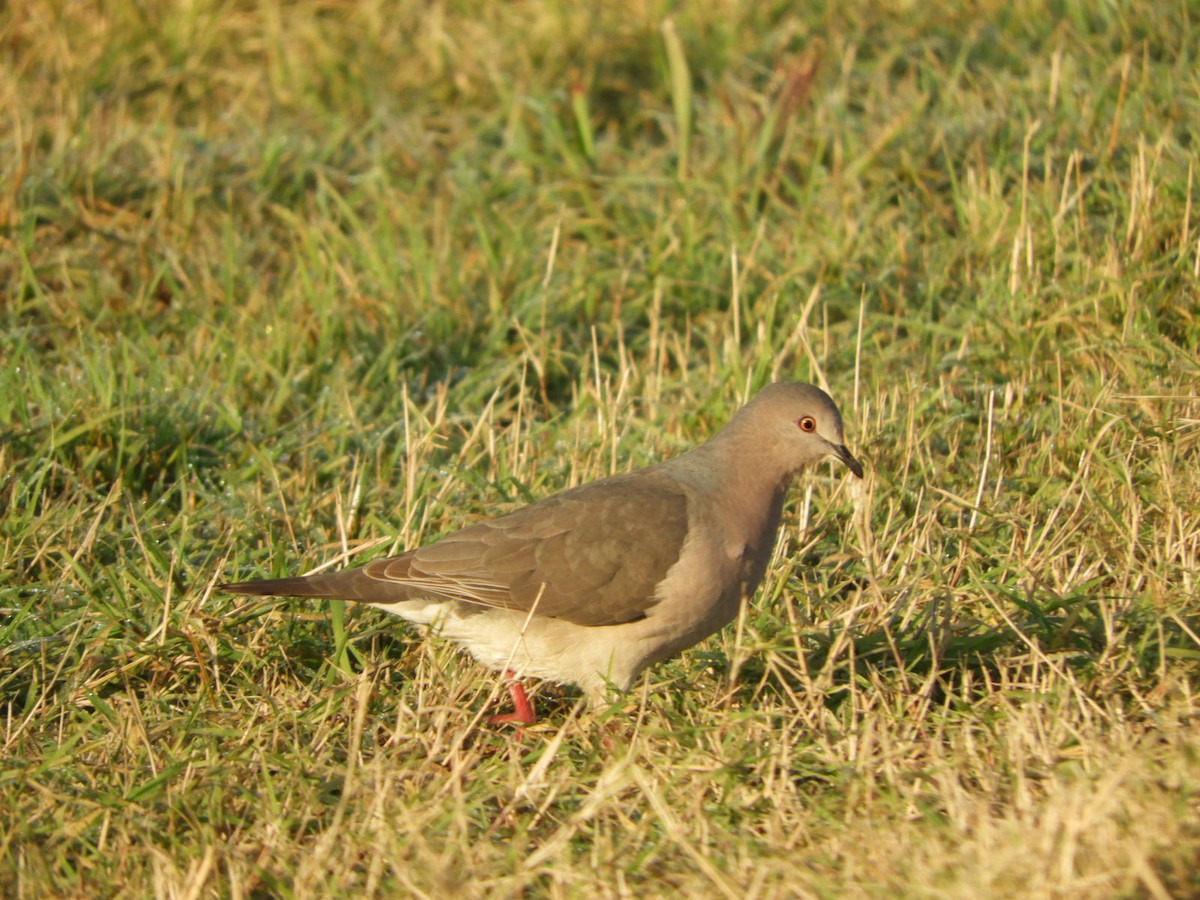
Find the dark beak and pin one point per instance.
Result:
(840, 451)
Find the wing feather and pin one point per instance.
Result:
(594, 555)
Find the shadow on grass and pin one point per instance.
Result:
(956, 660)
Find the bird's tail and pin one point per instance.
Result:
(347, 584)
(279, 587)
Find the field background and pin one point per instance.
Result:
(288, 283)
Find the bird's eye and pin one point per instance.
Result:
(808, 423)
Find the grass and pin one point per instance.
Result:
(291, 284)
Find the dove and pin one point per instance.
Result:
(594, 584)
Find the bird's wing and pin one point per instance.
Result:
(594, 555)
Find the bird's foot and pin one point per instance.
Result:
(523, 713)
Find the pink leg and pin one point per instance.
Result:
(523, 708)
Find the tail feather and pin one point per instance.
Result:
(349, 584)
(276, 587)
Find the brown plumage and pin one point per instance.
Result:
(592, 585)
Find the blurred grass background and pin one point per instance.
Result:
(289, 283)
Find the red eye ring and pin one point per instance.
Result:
(807, 423)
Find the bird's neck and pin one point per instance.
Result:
(751, 487)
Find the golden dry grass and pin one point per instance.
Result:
(291, 284)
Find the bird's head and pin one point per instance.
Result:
(798, 422)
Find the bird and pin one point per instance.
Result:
(592, 585)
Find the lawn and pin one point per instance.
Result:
(295, 284)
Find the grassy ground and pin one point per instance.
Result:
(289, 283)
